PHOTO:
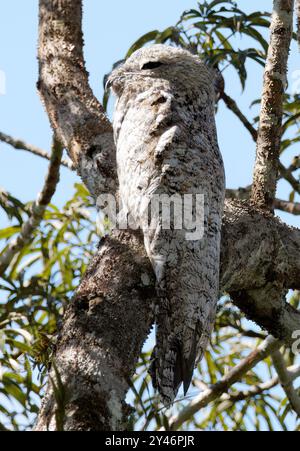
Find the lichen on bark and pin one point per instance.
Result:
(110, 317)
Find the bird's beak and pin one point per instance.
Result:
(108, 83)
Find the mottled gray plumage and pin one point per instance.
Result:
(166, 140)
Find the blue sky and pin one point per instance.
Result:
(110, 28)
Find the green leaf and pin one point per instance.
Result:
(292, 196)
(148, 37)
(13, 390)
(9, 232)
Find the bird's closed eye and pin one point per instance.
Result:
(151, 65)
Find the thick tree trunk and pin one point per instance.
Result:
(101, 339)
(74, 112)
(110, 316)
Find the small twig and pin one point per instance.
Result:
(288, 176)
(19, 144)
(270, 124)
(294, 373)
(289, 207)
(244, 332)
(286, 173)
(216, 390)
(232, 105)
(232, 398)
(38, 209)
(251, 391)
(286, 381)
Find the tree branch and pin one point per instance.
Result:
(38, 209)
(216, 390)
(227, 400)
(269, 132)
(286, 381)
(298, 20)
(75, 114)
(278, 204)
(103, 332)
(289, 207)
(288, 176)
(232, 105)
(18, 144)
(107, 322)
(270, 253)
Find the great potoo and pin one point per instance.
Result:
(168, 155)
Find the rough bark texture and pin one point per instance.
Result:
(286, 381)
(275, 82)
(166, 139)
(278, 204)
(298, 20)
(258, 265)
(75, 114)
(101, 339)
(110, 317)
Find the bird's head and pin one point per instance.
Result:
(177, 66)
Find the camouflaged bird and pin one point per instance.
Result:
(165, 134)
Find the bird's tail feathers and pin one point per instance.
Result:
(172, 364)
